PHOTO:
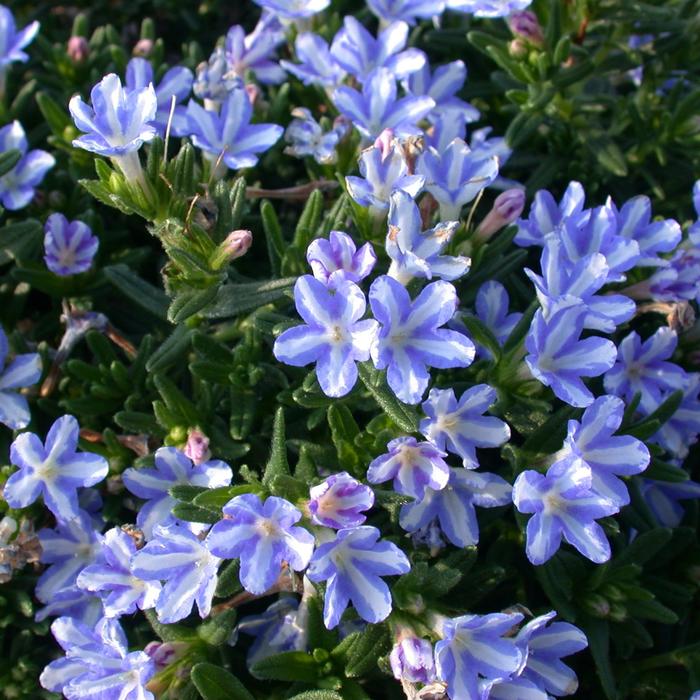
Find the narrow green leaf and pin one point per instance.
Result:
(376, 384)
(171, 350)
(598, 634)
(374, 642)
(287, 666)
(186, 492)
(216, 630)
(235, 299)
(228, 582)
(482, 335)
(139, 291)
(215, 683)
(189, 303)
(277, 464)
(195, 514)
(273, 235)
(646, 427)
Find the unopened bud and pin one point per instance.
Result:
(143, 48)
(507, 207)
(525, 25)
(596, 605)
(517, 48)
(412, 660)
(237, 244)
(78, 49)
(164, 653)
(197, 447)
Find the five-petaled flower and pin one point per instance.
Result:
(353, 564)
(410, 338)
(263, 536)
(333, 336)
(69, 246)
(55, 470)
(23, 371)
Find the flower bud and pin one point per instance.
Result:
(253, 92)
(517, 48)
(143, 48)
(507, 207)
(164, 653)
(412, 660)
(384, 142)
(197, 447)
(78, 49)
(525, 25)
(236, 245)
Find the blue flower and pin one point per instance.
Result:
(214, 79)
(17, 186)
(307, 137)
(177, 83)
(443, 85)
(69, 246)
(445, 128)
(414, 466)
(54, 470)
(407, 10)
(474, 646)
(678, 280)
(491, 308)
(275, 631)
(460, 427)
(694, 230)
(384, 170)
(333, 336)
(453, 506)
(412, 660)
(293, 9)
(663, 497)
(653, 237)
(546, 215)
(377, 107)
(338, 259)
(544, 646)
(591, 441)
(317, 65)
(352, 564)
(355, 50)
(112, 578)
(23, 371)
(416, 253)
(172, 468)
(119, 122)
(12, 42)
(681, 430)
(230, 133)
(597, 233)
(67, 549)
(564, 505)
(643, 368)
(187, 566)
(72, 602)
(410, 338)
(97, 664)
(455, 176)
(559, 358)
(488, 8)
(262, 535)
(580, 280)
(255, 52)
(339, 501)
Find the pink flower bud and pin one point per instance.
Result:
(164, 653)
(384, 142)
(78, 49)
(197, 447)
(526, 25)
(143, 48)
(236, 244)
(253, 92)
(507, 207)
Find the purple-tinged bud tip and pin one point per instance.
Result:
(507, 207)
(78, 49)
(384, 142)
(143, 48)
(411, 660)
(236, 244)
(526, 26)
(197, 447)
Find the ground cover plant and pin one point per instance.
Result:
(349, 349)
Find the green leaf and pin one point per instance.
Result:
(217, 498)
(176, 402)
(273, 235)
(644, 547)
(228, 582)
(317, 695)
(55, 116)
(309, 220)
(287, 666)
(598, 634)
(171, 350)
(482, 334)
(216, 630)
(168, 633)
(195, 514)
(186, 492)
(521, 328)
(137, 290)
(235, 299)
(8, 160)
(191, 302)
(362, 657)
(215, 683)
(18, 239)
(399, 412)
(648, 426)
(244, 405)
(277, 464)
